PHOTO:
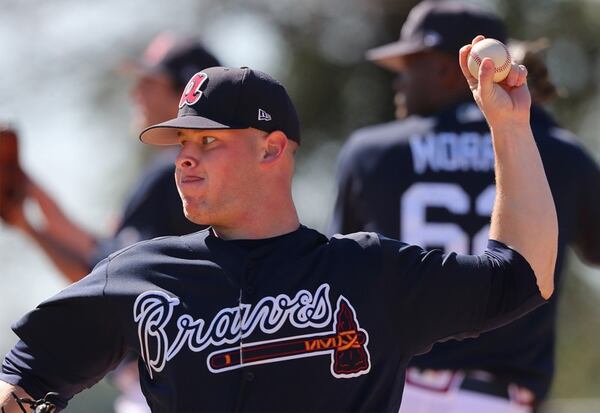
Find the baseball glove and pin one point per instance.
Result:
(37, 406)
(12, 178)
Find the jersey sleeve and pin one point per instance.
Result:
(586, 241)
(444, 296)
(346, 216)
(68, 343)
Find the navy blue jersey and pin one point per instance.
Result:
(293, 323)
(430, 181)
(153, 209)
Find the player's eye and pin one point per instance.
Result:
(181, 138)
(208, 140)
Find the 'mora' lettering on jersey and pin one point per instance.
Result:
(345, 342)
(451, 152)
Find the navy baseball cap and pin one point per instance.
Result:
(438, 25)
(228, 98)
(177, 57)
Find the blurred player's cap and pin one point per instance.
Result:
(177, 57)
(438, 25)
(228, 98)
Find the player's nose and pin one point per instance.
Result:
(186, 159)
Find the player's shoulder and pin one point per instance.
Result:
(380, 138)
(367, 146)
(391, 133)
(364, 240)
(371, 244)
(545, 127)
(565, 140)
(354, 246)
(556, 141)
(157, 251)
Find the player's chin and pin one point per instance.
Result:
(194, 217)
(194, 211)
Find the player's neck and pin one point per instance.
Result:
(268, 221)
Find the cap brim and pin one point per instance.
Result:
(165, 133)
(389, 56)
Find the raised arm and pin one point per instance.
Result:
(524, 216)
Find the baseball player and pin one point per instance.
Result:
(428, 179)
(153, 207)
(260, 313)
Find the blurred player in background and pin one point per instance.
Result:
(428, 179)
(153, 208)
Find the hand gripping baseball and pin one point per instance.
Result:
(502, 103)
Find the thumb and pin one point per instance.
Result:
(486, 78)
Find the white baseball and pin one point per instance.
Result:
(494, 49)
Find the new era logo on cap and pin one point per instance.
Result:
(262, 115)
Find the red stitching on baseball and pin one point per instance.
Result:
(476, 57)
(506, 63)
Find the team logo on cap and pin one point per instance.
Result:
(191, 93)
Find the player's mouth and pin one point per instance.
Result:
(191, 179)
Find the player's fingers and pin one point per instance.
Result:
(522, 79)
(486, 77)
(517, 76)
(513, 76)
(463, 55)
(477, 38)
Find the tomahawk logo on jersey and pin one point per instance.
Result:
(346, 342)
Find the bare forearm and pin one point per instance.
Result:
(68, 245)
(7, 401)
(73, 263)
(524, 215)
(59, 225)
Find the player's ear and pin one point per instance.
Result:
(274, 145)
